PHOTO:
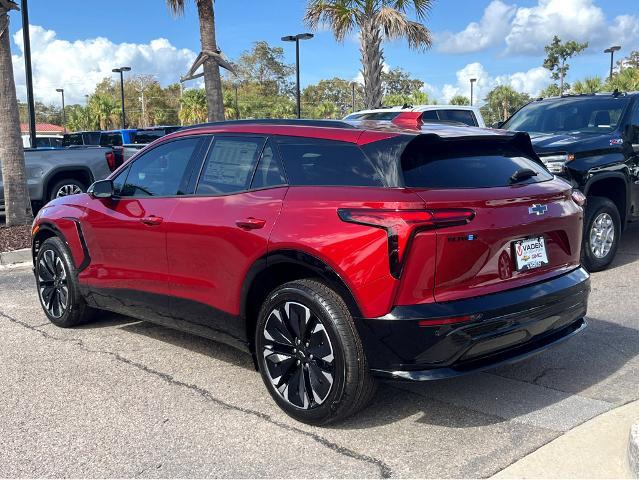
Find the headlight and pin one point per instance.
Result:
(556, 163)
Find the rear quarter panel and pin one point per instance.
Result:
(357, 253)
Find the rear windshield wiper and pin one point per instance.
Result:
(522, 174)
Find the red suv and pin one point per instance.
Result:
(333, 252)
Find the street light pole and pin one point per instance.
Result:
(64, 115)
(612, 51)
(27, 71)
(472, 83)
(121, 71)
(296, 39)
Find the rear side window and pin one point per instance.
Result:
(329, 163)
(91, 138)
(462, 116)
(230, 165)
(268, 172)
(444, 165)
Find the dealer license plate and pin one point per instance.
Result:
(530, 253)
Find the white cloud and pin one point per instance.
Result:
(79, 65)
(525, 30)
(531, 82)
(493, 27)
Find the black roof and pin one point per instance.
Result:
(303, 122)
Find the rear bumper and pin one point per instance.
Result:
(506, 327)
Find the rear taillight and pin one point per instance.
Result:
(400, 225)
(110, 159)
(578, 197)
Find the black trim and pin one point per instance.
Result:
(277, 121)
(488, 326)
(504, 358)
(193, 317)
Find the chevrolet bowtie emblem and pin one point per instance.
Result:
(537, 209)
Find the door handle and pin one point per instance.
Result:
(151, 220)
(250, 223)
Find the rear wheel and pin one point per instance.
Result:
(68, 186)
(601, 233)
(56, 280)
(310, 355)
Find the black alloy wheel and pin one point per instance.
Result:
(310, 355)
(57, 284)
(298, 355)
(53, 286)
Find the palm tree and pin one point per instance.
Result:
(376, 20)
(104, 109)
(212, 80)
(16, 196)
(588, 85)
(193, 106)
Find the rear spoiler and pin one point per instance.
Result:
(519, 140)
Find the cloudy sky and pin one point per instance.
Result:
(77, 44)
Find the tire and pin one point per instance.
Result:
(68, 185)
(332, 364)
(57, 283)
(602, 230)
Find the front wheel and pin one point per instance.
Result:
(602, 230)
(57, 283)
(310, 355)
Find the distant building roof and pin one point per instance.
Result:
(42, 128)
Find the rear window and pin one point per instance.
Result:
(111, 140)
(147, 136)
(373, 116)
(462, 116)
(325, 162)
(444, 165)
(72, 139)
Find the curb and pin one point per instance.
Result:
(633, 450)
(16, 256)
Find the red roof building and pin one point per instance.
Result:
(42, 128)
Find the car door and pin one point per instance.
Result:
(215, 236)
(126, 235)
(634, 158)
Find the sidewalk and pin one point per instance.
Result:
(596, 449)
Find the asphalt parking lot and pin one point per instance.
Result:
(122, 398)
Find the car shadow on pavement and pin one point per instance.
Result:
(528, 390)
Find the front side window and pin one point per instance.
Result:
(230, 165)
(162, 171)
(327, 162)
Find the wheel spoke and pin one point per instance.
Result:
(276, 329)
(296, 389)
(296, 316)
(319, 381)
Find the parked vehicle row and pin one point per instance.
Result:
(592, 141)
(334, 253)
(53, 173)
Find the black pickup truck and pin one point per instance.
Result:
(593, 142)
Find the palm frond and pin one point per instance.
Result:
(396, 24)
(176, 6)
(421, 7)
(338, 15)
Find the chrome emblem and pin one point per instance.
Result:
(537, 209)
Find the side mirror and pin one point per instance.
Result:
(497, 125)
(101, 189)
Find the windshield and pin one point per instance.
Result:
(569, 115)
